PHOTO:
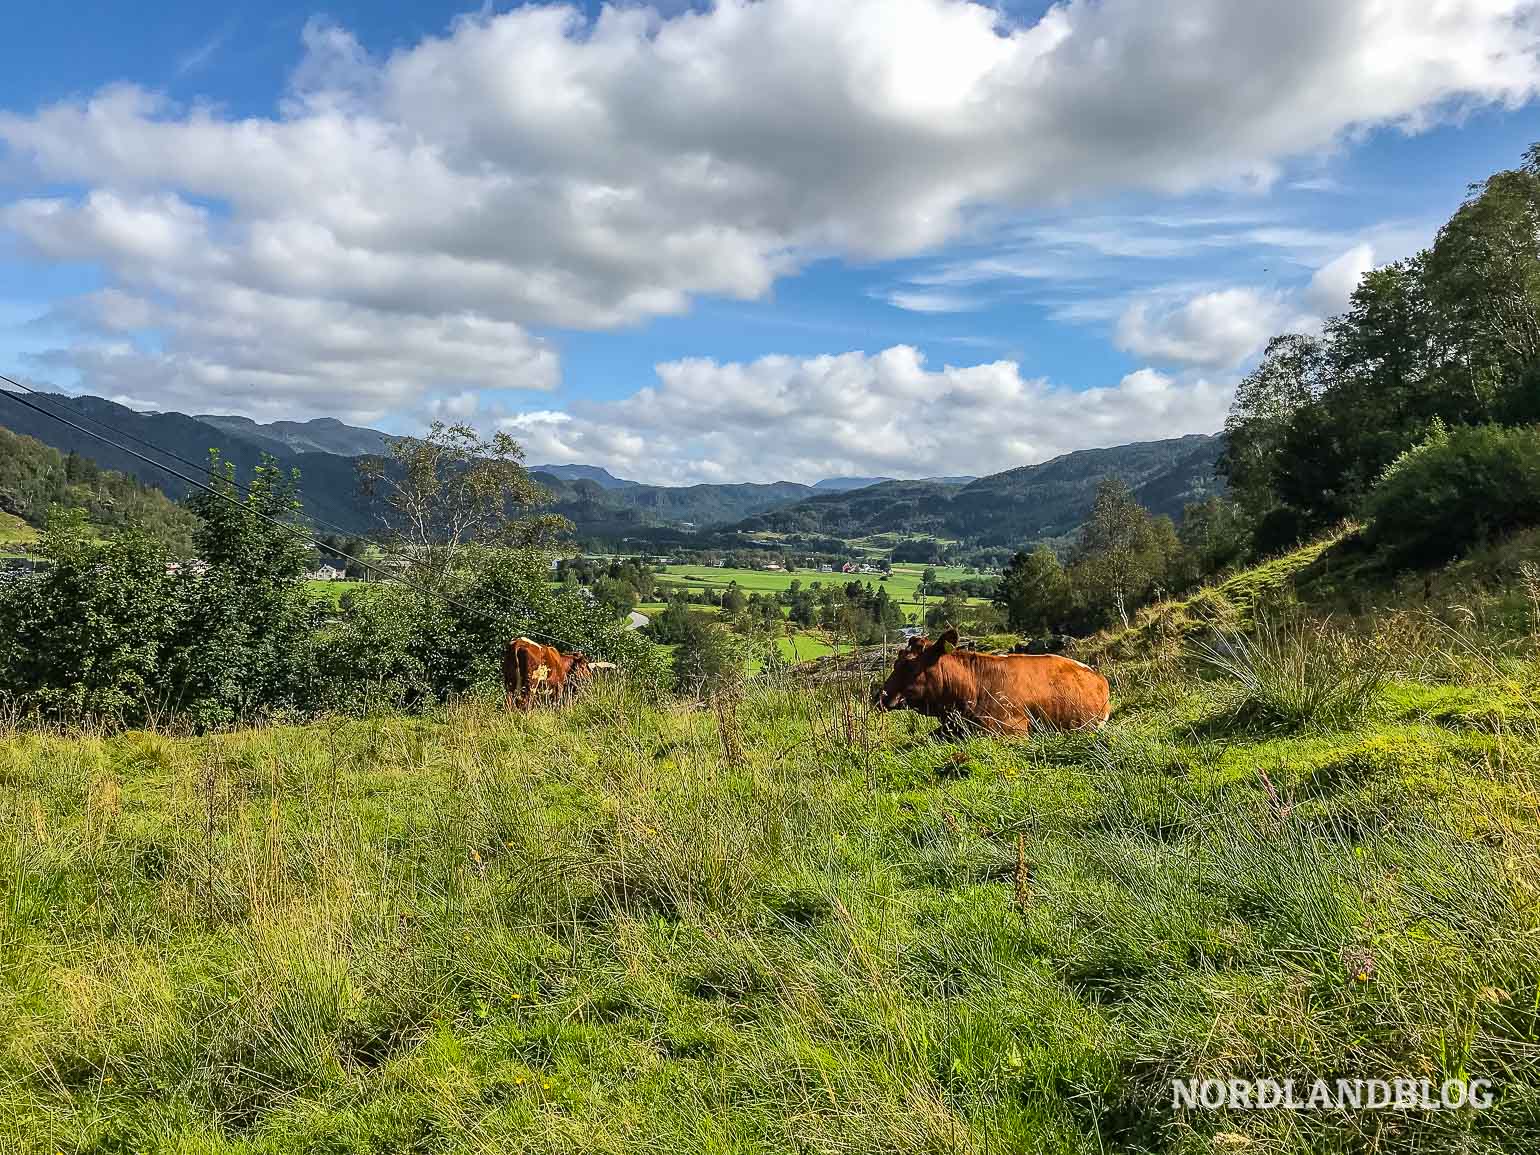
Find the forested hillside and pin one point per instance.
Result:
(34, 478)
(331, 489)
(1034, 502)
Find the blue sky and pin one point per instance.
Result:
(727, 242)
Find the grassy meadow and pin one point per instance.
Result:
(14, 531)
(789, 924)
(902, 585)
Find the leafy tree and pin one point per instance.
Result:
(452, 488)
(243, 620)
(1483, 276)
(86, 637)
(616, 595)
(1288, 378)
(709, 658)
(1214, 533)
(1034, 591)
(1457, 488)
(1121, 553)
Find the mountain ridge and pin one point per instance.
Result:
(1046, 501)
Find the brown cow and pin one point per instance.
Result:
(530, 668)
(1000, 693)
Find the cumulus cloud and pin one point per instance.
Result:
(886, 413)
(534, 168)
(1333, 283)
(1218, 329)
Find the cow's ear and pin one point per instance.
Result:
(949, 640)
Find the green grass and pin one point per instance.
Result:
(903, 584)
(14, 531)
(632, 925)
(329, 591)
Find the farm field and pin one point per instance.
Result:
(903, 584)
(332, 591)
(590, 929)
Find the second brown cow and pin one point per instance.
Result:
(999, 693)
(530, 669)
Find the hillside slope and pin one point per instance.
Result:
(590, 929)
(1033, 502)
(319, 435)
(35, 477)
(327, 480)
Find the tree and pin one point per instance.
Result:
(1122, 551)
(439, 493)
(1214, 533)
(1288, 378)
(1483, 281)
(87, 636)
(1034, 591)
(709, 658)
(240, 643)
(616, 595)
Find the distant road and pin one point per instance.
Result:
(637, 621)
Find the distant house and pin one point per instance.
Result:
(773, 565)
(327, 573)
(848, 567)
(826, 569)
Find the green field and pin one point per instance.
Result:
(634, 925)
(902, 584)
(324, 591)
(14, 531)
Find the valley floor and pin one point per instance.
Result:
(790, 926)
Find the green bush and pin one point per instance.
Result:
(1455, 490)
(87, 635)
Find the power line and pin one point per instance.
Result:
(126, 436)
(287, 528)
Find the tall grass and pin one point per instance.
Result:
(784, 923)
(1291, 672)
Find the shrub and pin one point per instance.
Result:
(87, 635)
(1294, 674)
(710, 658)
(1454, 490)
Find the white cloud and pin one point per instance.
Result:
(857, 413)
(930, 301)
(1218, 329)
(1333, 283)
(532, 168)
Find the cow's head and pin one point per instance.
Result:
(912, 669)
(578, 668)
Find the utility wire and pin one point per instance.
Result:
(287, 528)
(198, 465)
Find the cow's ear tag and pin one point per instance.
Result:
(947, 647)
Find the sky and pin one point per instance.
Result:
(746, 240)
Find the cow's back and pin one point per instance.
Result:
(1013, 688)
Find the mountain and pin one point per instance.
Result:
(327, 480)
(845, 484)
(690, 506)
(35, 477)
(1034, 502)
(1031, 503)
(598, 475)
(320, 435)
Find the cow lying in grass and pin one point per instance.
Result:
(998, 693)
(530, 669)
